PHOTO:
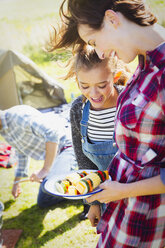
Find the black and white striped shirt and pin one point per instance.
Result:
(101, 124)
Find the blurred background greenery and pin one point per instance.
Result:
(25, 26)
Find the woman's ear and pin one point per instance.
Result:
(112, 17)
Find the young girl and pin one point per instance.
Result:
(92, 115)
(135, 213)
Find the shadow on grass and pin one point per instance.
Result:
(8, 204)
(31, 222)
(65, 226)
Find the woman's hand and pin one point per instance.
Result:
(112, 191)
(94, 214)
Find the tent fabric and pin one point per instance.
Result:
(22, 82)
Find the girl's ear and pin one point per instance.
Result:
(112, 17)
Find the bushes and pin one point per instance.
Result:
(40, 56)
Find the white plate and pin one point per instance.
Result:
(50, 187)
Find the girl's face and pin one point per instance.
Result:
(97, 86)
(111, 38)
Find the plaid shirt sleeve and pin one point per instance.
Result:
(162, 90)
(23, 165)
(162, 103)
(46, 130)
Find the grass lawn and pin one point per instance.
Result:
(56, 227)
(24, 26)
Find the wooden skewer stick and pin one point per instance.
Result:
(22, 180)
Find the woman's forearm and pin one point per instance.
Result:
(150, 186)
(113, 190)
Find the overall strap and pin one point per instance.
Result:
(84, 120)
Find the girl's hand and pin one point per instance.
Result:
(94, 214)
(112, 191)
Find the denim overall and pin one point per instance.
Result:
(100, 153)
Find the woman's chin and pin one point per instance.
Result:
(127, 59)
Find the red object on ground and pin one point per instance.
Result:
(7, 156)
(10, 237)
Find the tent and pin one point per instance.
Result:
(22, 82)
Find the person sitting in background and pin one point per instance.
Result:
(41, 136)
(92, 114)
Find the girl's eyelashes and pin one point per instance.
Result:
(84, 87)
(102, 87)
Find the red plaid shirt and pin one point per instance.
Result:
(140, 137)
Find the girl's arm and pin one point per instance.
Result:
(94, 214)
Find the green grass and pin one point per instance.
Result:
(24, 27)
(57, 227)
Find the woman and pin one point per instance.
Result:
(92, 114)
(135, 198)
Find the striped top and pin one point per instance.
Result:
(101, 124)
